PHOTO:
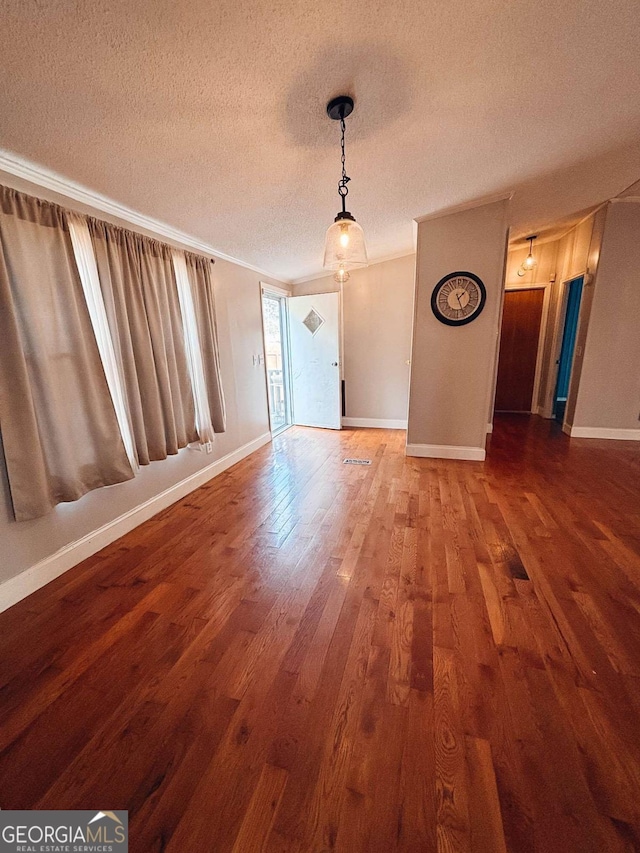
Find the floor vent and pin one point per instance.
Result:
(356, 462)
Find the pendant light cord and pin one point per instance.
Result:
(344, 180)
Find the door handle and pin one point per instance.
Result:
(334, 364)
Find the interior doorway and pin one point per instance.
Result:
(519, 346)
(569, 332)
(277, 361)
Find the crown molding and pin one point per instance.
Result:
(584, 218)
(467, 205)
(42, 177)
(372, 263)
(632, 186)
(519, 243)
(625, 199)
(312, 277)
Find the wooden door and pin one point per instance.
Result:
(519, 349)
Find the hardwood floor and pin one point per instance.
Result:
(302, 655)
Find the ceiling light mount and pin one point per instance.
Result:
(339, 108)
(344, 243)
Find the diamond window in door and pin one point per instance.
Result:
(313, 321)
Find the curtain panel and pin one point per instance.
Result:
(59, 428)
(199, 272)
(143, 311)
(109, 354)
(204, 426)
(86, 263)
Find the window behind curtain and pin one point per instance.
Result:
(59, 429)
(141, 300)
(62, 411)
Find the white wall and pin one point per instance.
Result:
(238, 310)
(453, 369)
(377, 316)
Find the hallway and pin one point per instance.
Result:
(303, 655)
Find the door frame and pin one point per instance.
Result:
(282, 295)
(546, 286)
(559, 340)
(556, 341)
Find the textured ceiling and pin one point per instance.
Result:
(209, 114)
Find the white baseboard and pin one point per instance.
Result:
(37, 576)
(447, 451)
(602, 432)
(375, 423)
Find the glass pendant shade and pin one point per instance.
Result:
(344, 246)
(341, 275)
(529, 262)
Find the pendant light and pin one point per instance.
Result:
(344, 247)
(529, 262)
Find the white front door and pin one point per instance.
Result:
(314, 329)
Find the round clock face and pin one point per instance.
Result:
(458, 298)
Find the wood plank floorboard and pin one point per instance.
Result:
(415, 655)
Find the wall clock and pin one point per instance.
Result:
(458, 298)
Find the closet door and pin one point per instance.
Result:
(519, 339)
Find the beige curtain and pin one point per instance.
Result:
(141, 301)
(59, 428)
(199, 271)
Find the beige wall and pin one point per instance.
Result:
(608, 395)
(238, 309)
(453, 369)
(377, 315)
